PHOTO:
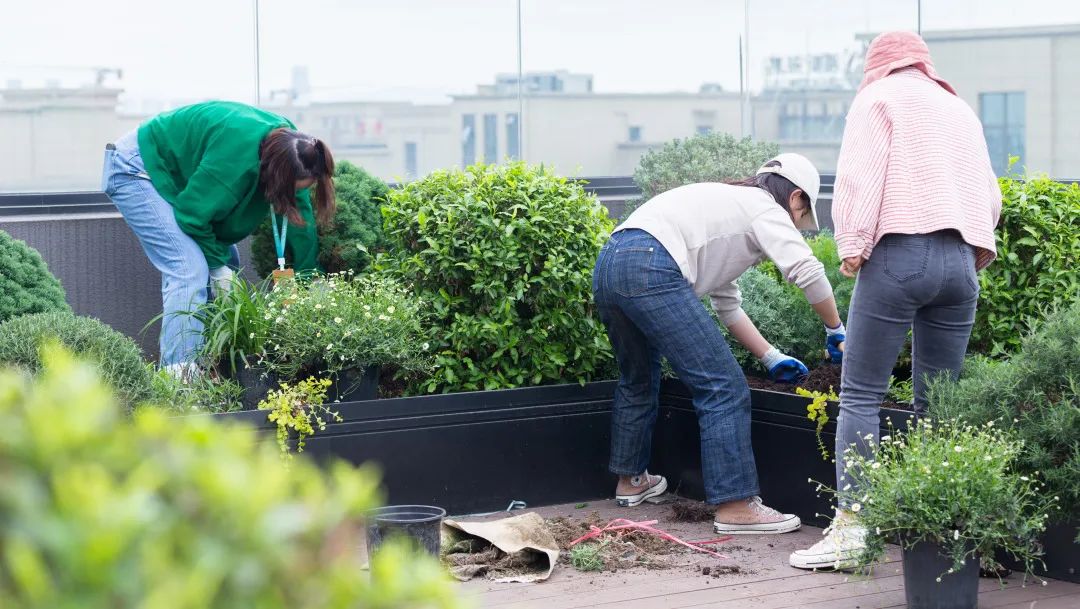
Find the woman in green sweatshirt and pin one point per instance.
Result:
(195, 181)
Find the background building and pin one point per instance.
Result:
(1022, 82)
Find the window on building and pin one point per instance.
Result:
(704, 129)
(1003, 120)
(468, 139)
(410, 160)
(513, 144)
(491, 138)
(635, 134)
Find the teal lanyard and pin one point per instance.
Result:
(279, 238)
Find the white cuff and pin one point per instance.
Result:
(837, 330)
(221, 272)
(771, 358)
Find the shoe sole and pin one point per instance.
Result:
(635, 500)
(768, 528)
(821, 564)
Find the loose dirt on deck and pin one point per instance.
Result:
(692, 511)
(608, 553)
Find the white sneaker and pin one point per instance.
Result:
(185, 372)
(769, 521)
(840, 549)
(651, 486)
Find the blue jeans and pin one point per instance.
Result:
(184, 273)
(923, 283)
(650, 311)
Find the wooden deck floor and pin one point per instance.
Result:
(765, 580)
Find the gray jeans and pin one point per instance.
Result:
(923, 283)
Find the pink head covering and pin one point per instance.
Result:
(894, 50)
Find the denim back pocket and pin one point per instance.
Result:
(906, 256)
(631, 270)
(967, 256)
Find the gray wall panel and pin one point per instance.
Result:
(102, 268)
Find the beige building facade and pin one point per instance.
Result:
(1023, 83)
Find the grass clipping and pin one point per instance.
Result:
(614, 551)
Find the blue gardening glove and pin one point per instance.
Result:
(783, 368)
(834, 342)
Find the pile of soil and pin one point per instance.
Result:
(719, 570)
(823, 378)
(692, 511)
(616, 550)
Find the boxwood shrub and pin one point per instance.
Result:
(26, 285)
(503, 255)
(356, 233)
(116, 356)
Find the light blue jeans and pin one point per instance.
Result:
(185, 276)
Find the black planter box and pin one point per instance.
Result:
(478, 451)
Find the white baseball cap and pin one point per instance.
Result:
(802, 173)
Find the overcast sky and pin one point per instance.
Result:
(422, 50)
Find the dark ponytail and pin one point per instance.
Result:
(286, 157)
(779, 187)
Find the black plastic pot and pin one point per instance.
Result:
(1061, 553)
(924, 564)
(257, 382)
(420, 524)
(354, 385)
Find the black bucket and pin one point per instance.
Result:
(419, 523)
(924, 563)
(354, 385)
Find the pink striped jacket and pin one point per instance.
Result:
(913, 161)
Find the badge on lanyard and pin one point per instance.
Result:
(280, 272)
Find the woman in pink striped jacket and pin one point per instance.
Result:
(915, 206)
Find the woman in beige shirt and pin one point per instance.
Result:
(679, 246)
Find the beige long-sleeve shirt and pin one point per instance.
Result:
(715, 232)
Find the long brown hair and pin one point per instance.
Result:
(287, 156)
(776, 185)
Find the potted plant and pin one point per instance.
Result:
(234, 327)
(345, 327)
(950, 495)
(1033, 394)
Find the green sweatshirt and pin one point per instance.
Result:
(204, 160)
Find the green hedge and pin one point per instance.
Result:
(1038, 265)
(117, 357)
(780, 309)
(356, 233)
(26, 285)
(503, 256)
